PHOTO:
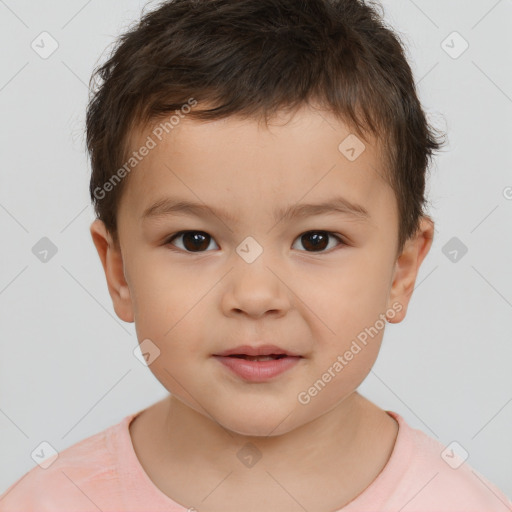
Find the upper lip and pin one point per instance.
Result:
(261, 350)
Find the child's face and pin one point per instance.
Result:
(194, 298)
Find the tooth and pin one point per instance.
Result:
(260, 358)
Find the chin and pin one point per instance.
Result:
(257, 425)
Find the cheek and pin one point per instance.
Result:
(164, 298)
(336, 376)
(344, 298)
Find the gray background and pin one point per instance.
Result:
(67, 368)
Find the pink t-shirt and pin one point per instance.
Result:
(102, 472)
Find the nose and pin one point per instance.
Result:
(255, 289)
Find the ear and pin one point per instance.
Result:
(111, 259)
(407, 267)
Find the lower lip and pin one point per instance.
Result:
(258, 371)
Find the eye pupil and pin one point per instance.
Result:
(198, 240)
(320, 240)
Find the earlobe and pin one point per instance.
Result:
(112, 262)
(407, 267)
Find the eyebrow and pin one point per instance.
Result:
(337, 205)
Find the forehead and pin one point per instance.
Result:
(236, 163)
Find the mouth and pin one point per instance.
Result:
(269, 357)
(258, 368)
(257, 353)
(258, 364)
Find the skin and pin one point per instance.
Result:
(314, 302)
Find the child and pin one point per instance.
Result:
(258, 174)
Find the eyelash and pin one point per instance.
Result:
(179, 233)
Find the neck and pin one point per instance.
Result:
(340, 452)
(339, 432)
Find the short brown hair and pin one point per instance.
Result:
(253, 58)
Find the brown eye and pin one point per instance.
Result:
(193, 241)
(317, 241)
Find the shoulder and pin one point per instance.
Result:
(79, 478)
(439, 476)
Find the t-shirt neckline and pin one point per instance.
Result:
(134, 479)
